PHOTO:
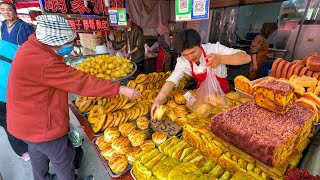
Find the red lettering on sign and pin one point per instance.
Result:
(56, 5)
(78, 6)
(72, 24)
(117, 4)
(98, 6)
(98, 24)
(92, 24)
(104, 24)
(78, 24)
(85, 24)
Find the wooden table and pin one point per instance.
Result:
(86, 128)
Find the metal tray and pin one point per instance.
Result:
(74, 104)
(105, 163)
(90, 127)
(132, 175)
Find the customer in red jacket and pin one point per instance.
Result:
(37, 96)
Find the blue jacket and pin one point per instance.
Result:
(7, 50)
(19, 33)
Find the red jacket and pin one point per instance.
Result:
(37, 94)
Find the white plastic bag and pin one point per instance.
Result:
(208, 96)
(119, 54)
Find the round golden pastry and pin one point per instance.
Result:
(181, 108)
(132, 154)
(110, 134)
(142, 122)
(171, 104)
(97, 110)
(179, 99)
(159, 137)
(132, 84)
(148, 144)
(121, 145)
(79, 100)
(84, 105)
(139, 88)
(140, 78)
(126, 128)
(99, 140)
(182, 121)
(107, 152)
(137, 137)
(160, 112)
(180, 113)
(118, 163)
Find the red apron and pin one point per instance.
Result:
(160, 59)
(202, 76)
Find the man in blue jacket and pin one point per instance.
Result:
(13, 29)
(7, 52)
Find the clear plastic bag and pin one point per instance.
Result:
(208, 96)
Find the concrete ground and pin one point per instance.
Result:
(13, 168)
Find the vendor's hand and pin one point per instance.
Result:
(213, 60)
(155, 105)
(130, 93)
(127, 55)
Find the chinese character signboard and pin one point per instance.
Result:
(117, 17)
(83, 7)
(187, 10)
(89, 24)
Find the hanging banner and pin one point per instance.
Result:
(88, 24)
(187, 10)
(117, 17)
(83, 7)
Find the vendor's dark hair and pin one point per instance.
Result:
(268, 28)
(10, 4)
(186, 39)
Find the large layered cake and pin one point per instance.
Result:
(274, 95)
(265, 135)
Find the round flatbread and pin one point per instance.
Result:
(290, 70)
(303, 71)
(274, 67)
(309, 73)
(297, 69)
(285, 70)
(280, 68)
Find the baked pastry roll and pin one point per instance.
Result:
(111, 134)
(148, 144)
(185, 170)
(159, 137)
(122, 145)
(107, 152)
(126, 128)
(140, 171)
(142, 123)
(137, 137)
(118, 163)
(132, 154)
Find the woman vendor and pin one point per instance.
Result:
(194, 60)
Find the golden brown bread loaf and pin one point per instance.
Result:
(126, 128)
(179, 98)
(159, 137)
(142, 123)
(185, 170)
(118, 163)
(107, 152)
(121, 145)
(132, 154)
(110, 134)
(140, 171)
(148, 144)
(137, 137)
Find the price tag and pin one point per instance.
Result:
(165, 125)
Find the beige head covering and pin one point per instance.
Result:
(163, 30)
